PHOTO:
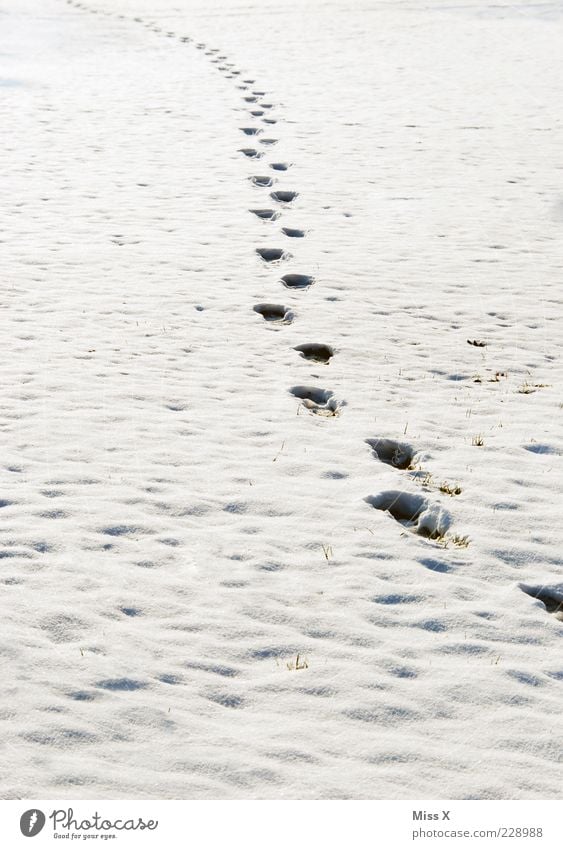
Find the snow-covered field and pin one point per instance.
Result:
(212, 585)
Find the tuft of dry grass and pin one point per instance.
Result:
(298, 663)
(461, 542)
(448, 489)
(527, 388)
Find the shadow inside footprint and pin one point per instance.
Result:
(250, 131)
(316, 352)
(413, 512)
(293, 232)
(280, 166)
(251, 152)
(321, 402)
(272, 254)
(397, 454)
(268, 141)
(539, 448)
(297, 281)
(550, 597)
(283, 196)
(251, 98)
(263, 182)
(257, 113)
(274, 312)
(266, 214)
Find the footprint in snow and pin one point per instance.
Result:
(550, 597)
(263, 182)
(269, 142)
(265, 214)
(251, 152)
(273, 254)
(280, 166)
(320, 402)
(251, 131)
(293, 232)
(297, 281)
(282, 196)
(397, 454)
(316, 352)
(412, 512)
(543, 448)
(275, 313)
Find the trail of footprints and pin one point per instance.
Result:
(413, 511)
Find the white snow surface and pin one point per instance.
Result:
(179, 531)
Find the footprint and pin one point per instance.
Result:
(269, 120)
(293, 232)
(297, 281)
(250, 131)
(257, 113)
(269, 142)
(250, 98)
(280, 166)
(274, 312)
(266, 105)
(283, 196)
(321, 402)
(272, 254)
(251, 152)
(550, 597)
(263, 182)
(316, 352)
(265, 214)
(542, 448)
(122, 684)
(259, 93)
(249, 81)
(413, 512)
(397, 454)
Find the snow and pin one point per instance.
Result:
(205, 593)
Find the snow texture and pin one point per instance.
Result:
(282, 447)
